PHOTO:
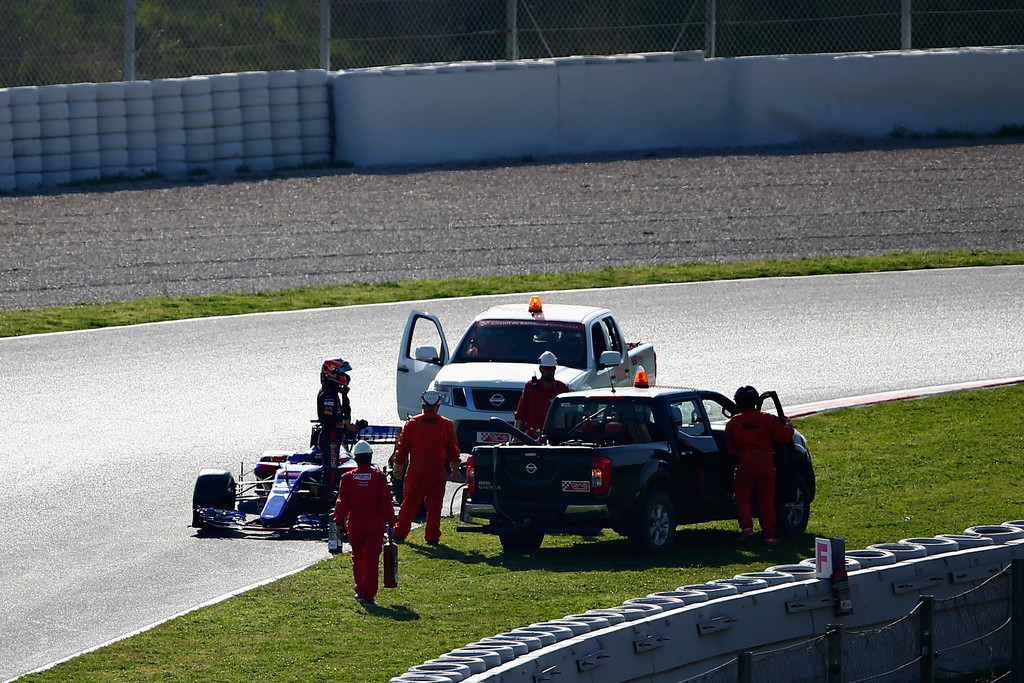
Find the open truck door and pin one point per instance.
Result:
(423, 351)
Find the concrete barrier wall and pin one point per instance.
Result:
(681, 634)
(261, 121)
(579, 105)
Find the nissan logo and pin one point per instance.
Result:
(531, 468)
(497, 400)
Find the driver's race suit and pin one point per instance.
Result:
(334, 412)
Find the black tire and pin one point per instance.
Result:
(213, 489)
(521, 541)
(654, 530)
(792, 505)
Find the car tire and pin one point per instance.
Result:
(213, 489)
(792, 505)
(521, 541)
(654, 530)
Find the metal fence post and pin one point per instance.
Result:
(925, 634)
(834, 656)
(1017, 621)
(905, 35)
(709, 30)
(325, 35)
(129, 41)
(511, 29)
(745, 667)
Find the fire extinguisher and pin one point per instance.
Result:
(333, 539)
(390, 563)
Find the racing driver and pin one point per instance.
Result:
(334, 413)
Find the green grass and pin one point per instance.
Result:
(885, 472)
(91, 316)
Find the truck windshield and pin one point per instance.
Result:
(601, 420)
(522, 341)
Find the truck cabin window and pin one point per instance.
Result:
(603, 421)
(522, 341)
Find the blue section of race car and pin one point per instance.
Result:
(290, 481)
(284, 490)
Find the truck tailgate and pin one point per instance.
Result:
(547, 474)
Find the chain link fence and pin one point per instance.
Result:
(58, 41)
(967, 637)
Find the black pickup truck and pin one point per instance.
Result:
(638, 461)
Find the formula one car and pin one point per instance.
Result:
(284, 492)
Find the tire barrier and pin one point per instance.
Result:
(222, 125)
(901, 550)
(677, 634)
(934, 546)
(472, 111)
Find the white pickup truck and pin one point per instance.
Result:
(499, 353)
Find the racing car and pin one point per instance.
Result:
(283, 492)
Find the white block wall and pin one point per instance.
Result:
(83, 127)
(684, 633)
(140, 128)
(8, 170)
(580, 105)
(26, 137)
(226, 107)
(427, 114)
(221, 125)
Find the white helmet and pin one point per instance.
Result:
(362, 448)
(548, 360)
(430, 398)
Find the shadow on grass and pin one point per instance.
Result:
(393, 612)
(693, 548)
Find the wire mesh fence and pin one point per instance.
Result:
(69, 41)
(967, 637)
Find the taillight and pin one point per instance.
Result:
(600, 474)
(470, 475)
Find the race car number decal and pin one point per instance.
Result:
(576, 486)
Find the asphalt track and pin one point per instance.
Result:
(105, 549)
(142, 239)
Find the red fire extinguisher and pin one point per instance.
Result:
(390, 564)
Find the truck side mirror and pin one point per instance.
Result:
(427, 354)
(609, 359)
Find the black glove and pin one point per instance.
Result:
(362, 424)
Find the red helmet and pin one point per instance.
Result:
(336, 370)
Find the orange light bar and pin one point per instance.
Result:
(535, 305)
(640, 379)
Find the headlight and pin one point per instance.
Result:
(446, 394)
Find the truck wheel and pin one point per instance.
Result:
(213, 489)
(793, 506)
(655, 528)
(521, 541)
